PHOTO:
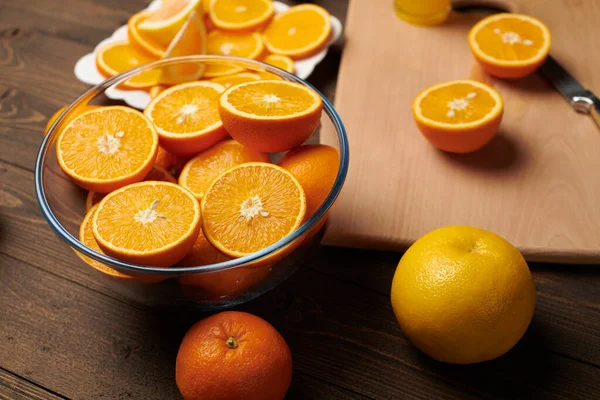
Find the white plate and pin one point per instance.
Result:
(86, 71)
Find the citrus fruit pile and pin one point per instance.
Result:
(189, 181)
(243, 28)
(464, 115)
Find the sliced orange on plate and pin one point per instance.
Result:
(240, 15)
(190, 40)
(298, 32)
(199, 172)
(142, 40)
(163, 24)
(279, 61)
(458, 116)
(252, 206)
(157, 173)
(116, 57)
(231, 80)
(186, 117)
(150, 223)
(510, 45)
(86, 237)
(270, 116)
(247, 45)
(107, 148)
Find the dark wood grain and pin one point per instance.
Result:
(63, 334)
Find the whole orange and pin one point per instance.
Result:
(316, 167)
(233, 355)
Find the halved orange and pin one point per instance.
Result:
(298, 32)
(510, 45)
(270, 116)
(86, 237)
(142, 40)
(107, 148)
(458, 116)
(248, 45)
(157, 173)
(252, 206)
(279, 61)
(240, 15)
(121, 56)
(231, 80)
(199, 172)
(186, 117)
(190, 40)
(150, 223)
(163, 24)
(78, 111)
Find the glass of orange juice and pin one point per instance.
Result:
(423, 12)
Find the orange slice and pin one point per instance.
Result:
(199, 172)
(150, 223)
(231, 80)
(191, 40)
(240, 15)
(458, 116)
(118, 57)
(86, 237)
(169, 161)
(142, 40)
(157, 173)
(164, 24)
(248, 45)
(279, 61)
(270, 116)
(251, 206)
(186, 117)
(298, 32)
(510, 45)
(107, 148)
(78, 111)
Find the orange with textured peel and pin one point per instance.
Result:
(316, 167)
(248, 45)
(510, 45)
(86, 237)
(199, 172)
(232, 356)
(459, 116)
(240, 15)
(163, 24)
(252, 206)
(298, 32)
(186, 117)
(270, 116)
(107, 148)
(117, 57)
(149, 223)
(157, 173)
(141, 40)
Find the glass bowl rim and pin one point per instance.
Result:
(126, 267)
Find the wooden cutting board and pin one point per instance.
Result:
(537, 183)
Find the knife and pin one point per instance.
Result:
(581, 99)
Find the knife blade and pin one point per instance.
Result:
(582, 100)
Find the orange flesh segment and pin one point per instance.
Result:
(241, 11)
(120, 57)
(510, 39)
(190, 109)
(145, 217)
(108, 143)
(283, 62)
(457, 104)
(271, 99)
(169, 9)
(251, 207)
(231, 80)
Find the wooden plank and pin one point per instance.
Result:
(13, 387)
(535, 184)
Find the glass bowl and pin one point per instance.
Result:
(208, 287)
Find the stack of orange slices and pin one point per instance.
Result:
(229, 201)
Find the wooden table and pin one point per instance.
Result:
(63, 335)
